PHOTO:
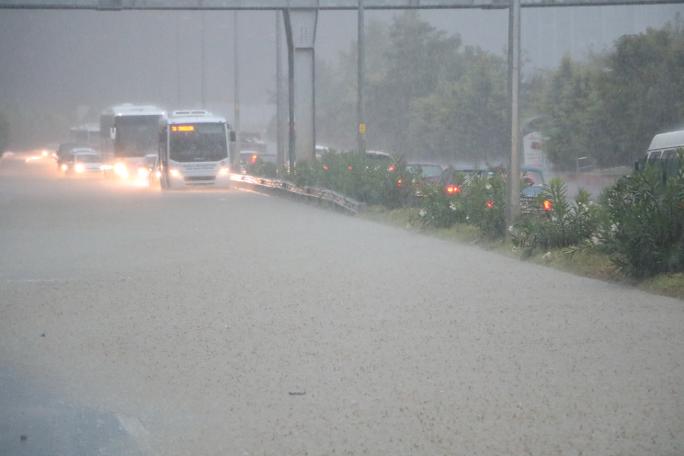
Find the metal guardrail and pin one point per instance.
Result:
(321, 194)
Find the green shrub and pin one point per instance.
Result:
(262, 168)
(358, 177)
(438, 210)
(564, 225)
(484, 200)
(480, 203)
(644, 224)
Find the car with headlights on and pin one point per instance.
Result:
(83, 162)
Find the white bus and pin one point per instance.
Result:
(129, 138)
(193, 150)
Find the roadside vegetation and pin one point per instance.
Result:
(633, 232)
(429, 97)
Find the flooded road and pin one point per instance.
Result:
(231, 322)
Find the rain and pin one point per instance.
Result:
(341, 227)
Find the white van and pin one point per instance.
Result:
(664, 150)
(664, 146)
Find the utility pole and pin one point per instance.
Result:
(203, 83)
(280, 143)
(177, 58)
(236, 87)
(514, 92)
(360, 79)
(292, 133)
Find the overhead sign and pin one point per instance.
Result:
(304, 4)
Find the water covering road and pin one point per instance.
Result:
(237, 323)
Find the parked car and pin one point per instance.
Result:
(427, 172)
(453, 180)
(531, 192)
(380, 156)
(424, 174)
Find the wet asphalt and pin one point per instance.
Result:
(234, 323)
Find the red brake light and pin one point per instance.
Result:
(452, 189)
(325, 167)
(400, 183)
(349, 168)
(489, 204)
(547, 205)
(391, 168)
(253, 158)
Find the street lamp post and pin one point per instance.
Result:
(236, 88)
(360, 79)
(514, 92)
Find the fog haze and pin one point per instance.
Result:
(72, 64)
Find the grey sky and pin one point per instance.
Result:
(55, 61)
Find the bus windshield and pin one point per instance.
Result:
(200, 142)
(136, 136)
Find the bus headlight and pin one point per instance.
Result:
(79, 168)
(174, 172)
(143, 173)
(224, 171)
(64, 167)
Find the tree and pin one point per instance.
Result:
(643, 88)
(571, 110)
(610, 106)
(336, 88)
(466, 119)
(418, 58)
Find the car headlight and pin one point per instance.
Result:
(121, 170)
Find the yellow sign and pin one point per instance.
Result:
(183, 128)
(362, 128)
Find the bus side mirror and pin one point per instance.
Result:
(233, 137)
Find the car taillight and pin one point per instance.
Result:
(350, 167)
(325, 167)
(253, 158)
(400, 183)
(391, 168)
(489, 204)
(547, 205)
(452, 189)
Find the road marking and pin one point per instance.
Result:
(37, 280)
